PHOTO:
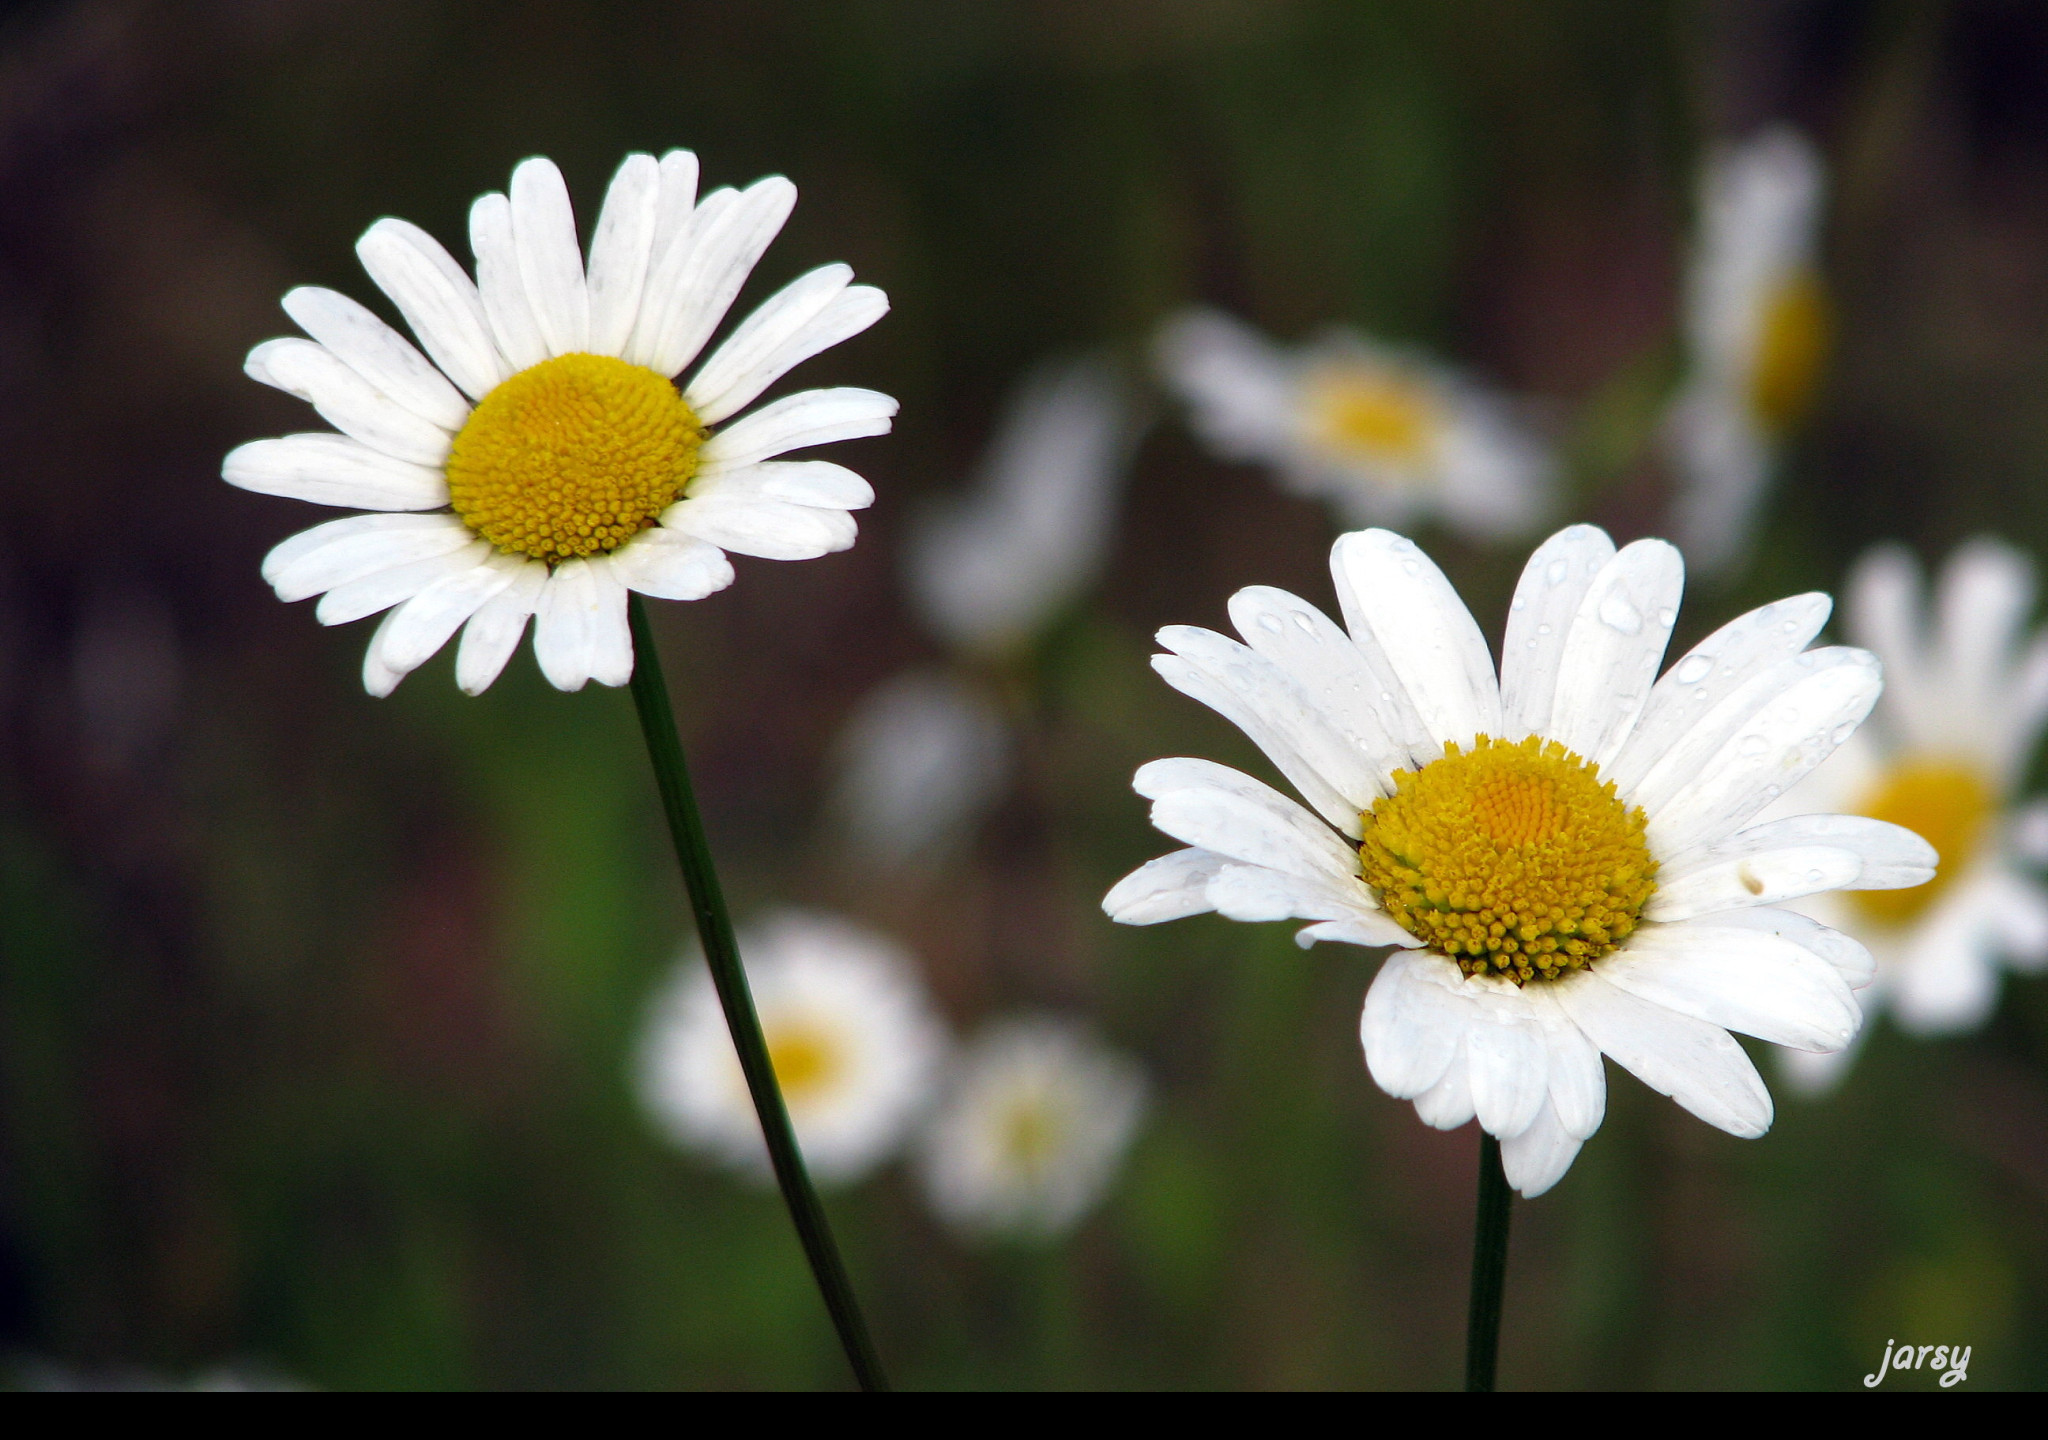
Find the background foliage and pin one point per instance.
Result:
(315, 1010)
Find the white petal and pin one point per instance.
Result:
(1815, 1075)
(1510, 1065)
(797, 422)
(2019, 918)
(1430, 638)
(676, 237)
(620, 250)
(493, 632)
(498, 280)
(714, 392)
(1846, 953)
(550, 260)
(347, 401)
(1331, 773)
(1611, 655)
(1985, 596)
(1448, 1104)
(1538, 1158)
(769, 529)
(853, 310)
(1169, 888)
(377, 353)
(1369, 929)
(1762, 877)
(316, 560)
(1415, 1015)
(611, 653)
(417, 630)
(437, 300)
(1799, 855)
(1739, 979)
(1946, 981)
(1710, 672)
(696, 282)
(678, 200)
(1253, 893)
(671, 566)
(1884, 613)
(1245, 820)
(1333, 674)
(565, 625)
(1553, 582)
(386, 587)
(1770, 752)
(1697, 1064)
(1578, 1081)
(1240, 387)
(817, 483)
(328, 469)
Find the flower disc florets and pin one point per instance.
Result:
(1950, 804)
(573, 457)
(1511, 859)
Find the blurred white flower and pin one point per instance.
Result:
(850, 1031)
(1562, 852)
(990, 568)
(1038, 1119)
(1757, 335)
(922, 756)
(1965, 697)
(581, 471)
(1383, 435)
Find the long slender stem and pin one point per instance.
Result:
(1489, 1268)
(722, 954)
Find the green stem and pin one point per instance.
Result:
(1489, 1268)
(722, 954)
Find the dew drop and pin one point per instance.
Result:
(1302, 623)
(1617, 614)
(1700, 694)
(1814, 877)
(1693, 669)
(1556, 572)
(1270, 623)
(1752, 746)
(1667, 617)
(1411, 567)
(1843, 732)
(1542, 629)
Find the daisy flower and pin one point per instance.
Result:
(850, 1031)
(538, 460)
(1757, 331)
(989, 569)
(1038, 1120)
(922, 755)
(1561, 856)
(1383, 435)
(1945, 754)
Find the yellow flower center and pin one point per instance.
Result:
(1374, 414)
(573, 457)
(1031, 1135)
(1792, 344)
(1513, 860)
(1950, 804)
(806, 1059)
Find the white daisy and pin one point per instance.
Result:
(1757, 332)
(1383, 435)
(1945, 754)
(1038, 1120)
(544, 464)
(1559, 853)
(921, 757)
(850, 1031)
(989, 569)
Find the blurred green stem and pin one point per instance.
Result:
(722, 954)
(1489, 1268)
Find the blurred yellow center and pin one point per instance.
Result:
(1373, 414)
(806, 1060)
(1950, 804)
(1030, 1135)
(1512, 859)
(573, 457)
(1792, 345)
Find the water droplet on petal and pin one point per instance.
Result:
(1667, 617)
(1556, 572)
(1752, 746)
(1411, 567)
(1700, 694)
(1843, 732)
(1618, 614)
(1270, 623)
(1542, 629)
(1814, 877)
(1692, 669)
(1303, 623)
